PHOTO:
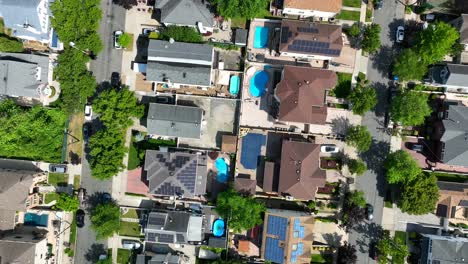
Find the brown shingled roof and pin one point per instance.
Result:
(301, 93)
(450, 195)
(303, 33)
(319, 5)
(229, 143)
(245, 185)
(300, 175)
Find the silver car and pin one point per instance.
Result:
(117, 35)
(400, 34)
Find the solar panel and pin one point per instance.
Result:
(301, 232)
(297, 224)
(284, 34)
(156, 220)
(180, 238)
(151, 237)
(273, 251)
(277, 226)
(308, 29)
(165, 238)
(300, 248)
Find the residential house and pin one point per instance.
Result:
(450, 135)
(25, 246)
(248, 248)
(443, 249)
(177, 63)
(308, 40)
(158, 259)
(287, 236)
(451, 76)
(192, 13)
(323, 10)
(240, 38)
(27, 19)
(174, 227)
(302, 95)
(17, 181)
(24, 75)
(174, 120)
(452, 7)
(453, 201)
(176, 173)
(245, 185)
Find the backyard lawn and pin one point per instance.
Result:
(131, 213)
(123, 256)
(129, 229)
(318, 258)
(352, 3)
(58, 179)
(348, 15)
(49, 197)
(400, 235)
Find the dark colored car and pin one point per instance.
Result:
(417, 147)
(86, 131)
(59, 168)
(80, 215)
(378, 4)
(115, 80)
(164, 100)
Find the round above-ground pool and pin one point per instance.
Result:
(218, 227)
(222, 168)
(234, 85)
(258, 83)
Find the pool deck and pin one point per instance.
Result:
(270, 24)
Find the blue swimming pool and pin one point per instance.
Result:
(31, 219)
(234, 85)
(223, 170)
(218, 227)
(258, 83)
(260, 37)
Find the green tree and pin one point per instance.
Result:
(104, 261)
(8, 44)
(401, 167)
(410, 108)
(116, 108)
(77, 21)
(371, 38)
(363, 99)
(67, 203)
(359, 137)
(356, 198)
(393, 248)
(409, 66)
(357, 167)
(241, 8)
(242, 213)
(107, 152)
(420, 195)
(436, 41)
(354, 31)
(125, 40)
(105, 220)
(182, 34)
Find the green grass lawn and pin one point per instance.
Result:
(123, 256)
(317, 258)
(441, 176)
(369, 13)
(343, 86)
(129, 229)
(400, 235)
(131, 213)
(388, 204)
(73, 230)
(76, 182)
(49, 197)
(136, 155)
(348, 15)
(352, 3)
(58, 179)
(133, 160)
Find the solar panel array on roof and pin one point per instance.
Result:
(273, 251)
(163, 238)
(313, 47)
(301, 232)
(277, 226)
(188, 174)
(310, 43)
(284, 34)
(158, 220)
(297, 224)
(169, 189)
(180, 238)
(308, 29)
(295, 253)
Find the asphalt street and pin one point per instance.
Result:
(372, 183)
(108, 61)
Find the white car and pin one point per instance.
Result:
(130, 244)
(117, 35)
(88, 112)
(329, 148)
(400, 34)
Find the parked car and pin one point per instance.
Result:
(428, 17)
(370, 212)
(400, 34)
(86, 131)
(417, 147)
(115, 80)
(117, 35)
(59, 168)
(130, 244)
(329, 148)
(378, 4)
(88, 112)
(164, 99)
(80, 215)
(147, 31)
(82, 196)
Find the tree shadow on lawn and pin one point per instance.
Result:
(94, 252)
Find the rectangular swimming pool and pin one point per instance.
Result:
(260, 37)
(31, 219)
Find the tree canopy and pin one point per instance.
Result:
(31, 133)
(359, 137)
(356, 198)
(357, 167)
(401, 167)
(125, 40)
(392, 247)
(363, 99)
(8, 44)
(347, 254)
(408, 66)
(241, 212)
(182, 34)
(67, 203)
(127, 4)
(107, 152)
(371, 38)
(353, 209)
(105, 220)
(240, 8)
(410, 108)
(420, 195)
(436, 41)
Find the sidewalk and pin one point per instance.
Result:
(360, 64)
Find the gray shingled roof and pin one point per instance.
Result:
(185, 12)
(452, 186)
(16, 13)
(12, 251)
(174, 120)
(455, 136)
(176, 227)
(241, 37)
(458, 75)
(21, 74)
(172, 173)
(444, 249)
(184, 63)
